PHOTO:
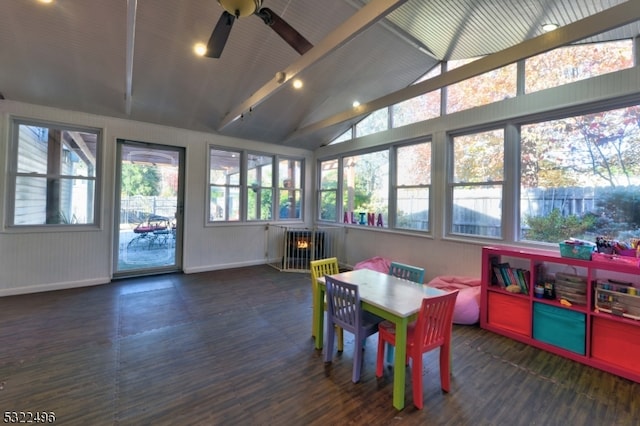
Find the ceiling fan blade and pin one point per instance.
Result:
(220, 35)
(284, 30)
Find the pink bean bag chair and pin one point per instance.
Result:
(377, 263)
(467, 310)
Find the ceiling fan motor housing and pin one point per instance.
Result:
(241, 8)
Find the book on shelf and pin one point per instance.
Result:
(523, 280)
(513, 278)
(504, 271)
(498, 276)
(505, 276)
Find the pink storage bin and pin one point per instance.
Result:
(628, 253)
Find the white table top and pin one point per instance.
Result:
(395, 295)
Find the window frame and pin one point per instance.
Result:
(299, 187)
(244, 187)
(239, 186)
(555, 115)
(394, 187)
(373, 150)
(12, 176)
(320, 191)
(452, 184)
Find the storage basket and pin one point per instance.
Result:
(615, 299)
(576, 251)
(560, 327)
(572, 288)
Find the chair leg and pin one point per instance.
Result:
(380, 356)
(340, 339)
(445, 367)
(328, 347)
(357, 360)
(314, 320)
(416, 378)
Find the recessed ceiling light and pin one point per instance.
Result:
(200, 49)
(297, 83)
(356, 104)
(46, 1)
(549, 27)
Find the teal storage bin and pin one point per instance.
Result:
(560, 327)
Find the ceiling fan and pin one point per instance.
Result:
(235, 9)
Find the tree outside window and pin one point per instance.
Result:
(375, 122)
(413, 185)
(420, 108)
(260, 187)
(573, 63)
(492, 86)
(366, 186)
(290, 188)
(581, 177)
(328, 192)
(477, 181)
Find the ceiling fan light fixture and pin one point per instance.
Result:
(241, 8)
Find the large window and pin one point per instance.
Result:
(365, 194)
(573, 63)
(54, 174)
(476, 185)
(242, 186)
(224, 185)
(413, 184)
(581, 177)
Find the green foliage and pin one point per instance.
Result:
(555, 227)
(140, 179)
(620, 207)
(259, 203)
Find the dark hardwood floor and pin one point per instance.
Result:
(233, 347)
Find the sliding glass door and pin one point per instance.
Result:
(149, 212)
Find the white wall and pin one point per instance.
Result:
(436, 256)
(52, 260)
(40, 261)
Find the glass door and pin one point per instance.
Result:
(149, 204)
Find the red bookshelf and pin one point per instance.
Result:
(606, 340)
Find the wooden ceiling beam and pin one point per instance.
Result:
(361, 20)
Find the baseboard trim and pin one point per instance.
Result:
(39, 288)
(188, 270)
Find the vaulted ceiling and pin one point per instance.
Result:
(134, 59)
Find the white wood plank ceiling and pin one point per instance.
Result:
(134, 59)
